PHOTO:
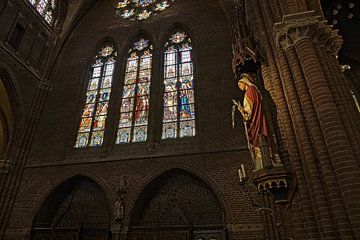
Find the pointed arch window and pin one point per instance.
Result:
(179, 109)
(134, 111)
(92, 125)
(46, 8)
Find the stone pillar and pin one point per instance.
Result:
(336, 159)
(10, 183)
(303, 216)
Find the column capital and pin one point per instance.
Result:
(306, 25)
(45, 85)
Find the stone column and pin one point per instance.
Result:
(303, 216)
(337, 161)
(11, 182)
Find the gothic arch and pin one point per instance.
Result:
(172, 196)
(164, 37)
(185, 168)
(141, 33)
(12, 118)
(78, 207)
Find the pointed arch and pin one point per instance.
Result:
(93, 120)
(177, 200)
(11, 117)
(179, 83)
(134, 111)
(77, 206)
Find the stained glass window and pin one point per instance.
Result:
(134, 111)
(45, 8)
(179, 109)
(92, 125)
(140, 9)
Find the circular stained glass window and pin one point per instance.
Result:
(140, 9)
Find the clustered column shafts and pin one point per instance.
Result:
(317, 195)
(307, 211)
(279, 130)
(326, 154)
(333, 130)
(320, 206)
(340, 89)
(320, 99)
(11, 183)
(322, 156)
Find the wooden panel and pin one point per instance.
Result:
(174, 235)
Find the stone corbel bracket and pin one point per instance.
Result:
(305, 25)
(275, 181)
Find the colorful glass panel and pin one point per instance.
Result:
(179, 100)
(134, 110)
(140, 9)
(93, 119)
(45, 8)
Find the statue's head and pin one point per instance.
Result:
(245, 81)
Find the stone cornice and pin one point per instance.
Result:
(306, 25)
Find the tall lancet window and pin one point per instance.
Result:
(179, 111)
(46, 8)
(134, 111)
(92, 125)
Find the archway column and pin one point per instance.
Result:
(10, 183)
(303, 214)
(299, 35)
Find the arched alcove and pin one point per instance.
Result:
(11, 119)
(6, 119)
(76, 209)
(177, 205)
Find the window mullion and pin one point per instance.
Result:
(178, 84)
(135, 98)
(96, 102)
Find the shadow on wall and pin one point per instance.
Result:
(76, 209)
(6, 128)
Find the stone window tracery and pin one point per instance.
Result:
(134, 111)
(140, 9)
(179, 100)
(46, 8)
(93, 119)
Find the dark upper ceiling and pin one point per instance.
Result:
(345, 16)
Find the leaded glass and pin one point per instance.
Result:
(134, 111)
(179, 100)
(93, 119)
(140, 9)
(46, 8)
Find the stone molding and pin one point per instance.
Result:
(306, 25)
(45, 85)
(6, 166)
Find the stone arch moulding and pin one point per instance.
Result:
(71, 175)
(137, 35)
(198, 174)
(17, 109)
(173, 205)
(80, 195)
(177, 26)
(84, 79)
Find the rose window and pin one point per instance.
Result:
(140, 9)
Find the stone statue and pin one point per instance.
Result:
(252, 111)
(119, 205)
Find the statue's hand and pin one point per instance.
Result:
(243, 113)
(236, 103)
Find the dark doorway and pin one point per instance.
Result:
(177, 206)
(76, 210)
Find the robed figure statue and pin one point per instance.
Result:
(253, 113)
